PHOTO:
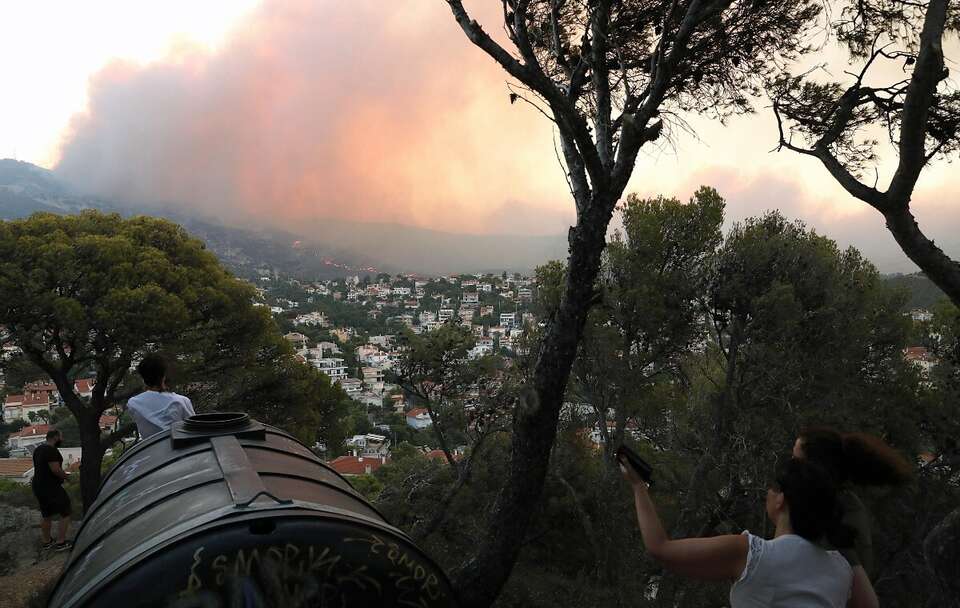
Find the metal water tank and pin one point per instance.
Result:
(224, 511)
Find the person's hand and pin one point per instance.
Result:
(631, 475)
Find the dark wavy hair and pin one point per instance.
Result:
(811, 495)
(856, 457)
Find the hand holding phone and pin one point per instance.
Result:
(631, 459)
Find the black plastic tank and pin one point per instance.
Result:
(224, 511)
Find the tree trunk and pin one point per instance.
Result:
(480, 580)
(939, 268)
(941, 545)
(91, 457)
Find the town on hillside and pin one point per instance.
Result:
(351, 330)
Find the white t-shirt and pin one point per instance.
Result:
(791, 572)
(155, 411)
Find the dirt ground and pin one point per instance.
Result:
(28, 570)
(29, 580)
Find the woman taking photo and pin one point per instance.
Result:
(854, 459)
(790, 571)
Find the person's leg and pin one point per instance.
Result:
(63, 503)
(45, 525)
(63, 528)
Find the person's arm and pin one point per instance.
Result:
(714, 558)
(187, 407)
(862, 594)
(57, 470)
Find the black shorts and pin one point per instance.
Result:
(53, 501)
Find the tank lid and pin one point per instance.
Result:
(215, 424)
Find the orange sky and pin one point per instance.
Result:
(382, 111)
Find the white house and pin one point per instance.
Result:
(369, 445)
(497, 331)
(298, 340)
(19, 407)
(445, 315)
(313, 319)
(921, 316)
(28, 436)
(333, 367)
(508, 319)
(382, 341)
(351, 386)
(471, 297)
(479, 350)
(419, 418)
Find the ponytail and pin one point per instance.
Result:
(871, 462)
(855, 457)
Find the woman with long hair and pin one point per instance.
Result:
(792, 570)
(854, 459)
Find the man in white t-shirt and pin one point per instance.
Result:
(156, 408)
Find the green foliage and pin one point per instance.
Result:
(923, 292)
(19, 371)
(368, 485)
(93, 292)
(708, 355)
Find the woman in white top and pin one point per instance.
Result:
(791, 570)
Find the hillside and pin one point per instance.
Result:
(27, 189)
(923, 293)
(320, 248)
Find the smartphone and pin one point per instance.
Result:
(641, 466)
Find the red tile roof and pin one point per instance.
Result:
(439, 455)
(83, 385)
(917, 353)
(107, 421)
(15, 467)
(416, 412)
(36, 399)
(40, 386)
(355, 465)
(32, 431)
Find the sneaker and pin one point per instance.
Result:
(64, 546)
(50, 543)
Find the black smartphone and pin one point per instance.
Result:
(641, 466)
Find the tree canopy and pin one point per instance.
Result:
(91, 293)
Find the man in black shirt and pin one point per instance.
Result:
(48, 477)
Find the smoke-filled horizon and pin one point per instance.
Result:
(383, 112)
(364, 111)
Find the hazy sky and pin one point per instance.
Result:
(284, 110)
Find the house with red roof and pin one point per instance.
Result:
(19, 407)
(419, 418)
(28, 436)
(357, 465)
(84, 387)
(19, 470)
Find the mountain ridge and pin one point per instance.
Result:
(327, 247)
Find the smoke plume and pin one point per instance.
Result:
(313, 110)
